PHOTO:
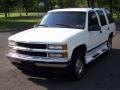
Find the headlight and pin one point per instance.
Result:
(57, 47)
(12, 43)
(63, 54)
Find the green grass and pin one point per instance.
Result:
(18, 14)
(1, 15)
(17, 22)
(115, 17)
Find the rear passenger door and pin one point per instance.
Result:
(104, 26)
(110, 21)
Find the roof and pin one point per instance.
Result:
(74, 9)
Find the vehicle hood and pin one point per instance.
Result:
(45, 35)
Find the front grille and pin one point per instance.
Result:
(41, 54)
(29, 45)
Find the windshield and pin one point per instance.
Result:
(64, 20)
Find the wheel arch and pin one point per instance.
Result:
(81, 48)
(111, 34)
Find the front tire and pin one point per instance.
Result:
(78, 66)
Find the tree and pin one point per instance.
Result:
(116, 7)
(7, 6)
(28, 4)
(19, 6)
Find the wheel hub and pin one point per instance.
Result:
(79, 66)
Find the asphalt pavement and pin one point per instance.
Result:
(102, 74)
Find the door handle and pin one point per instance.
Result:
(100, 31)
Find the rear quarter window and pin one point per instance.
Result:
(109, 16)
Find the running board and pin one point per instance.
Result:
(95, 55)
(92, 55)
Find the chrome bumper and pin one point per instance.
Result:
(38, 61)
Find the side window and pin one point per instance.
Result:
(110, 18)
(102, 17)
(92, 18)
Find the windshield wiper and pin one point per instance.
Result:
(64, 25)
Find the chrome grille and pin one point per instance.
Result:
(32, 46)
(29, 45)
(41, 54)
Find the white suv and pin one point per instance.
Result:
(64, 39)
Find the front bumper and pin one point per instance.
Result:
(38, 61)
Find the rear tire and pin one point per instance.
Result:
(78, 66)
(109, 45)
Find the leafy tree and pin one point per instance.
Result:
(8, 6)
(19, 6)
(27, 4)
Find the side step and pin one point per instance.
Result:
(96, 53)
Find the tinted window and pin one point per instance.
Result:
(102, 17)
(92, 19)
(110, 18)
(65, 19)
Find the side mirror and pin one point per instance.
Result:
(35, 25)
(94, 28)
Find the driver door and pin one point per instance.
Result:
(95, 33)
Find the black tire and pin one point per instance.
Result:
(109, 45)
(78, 65)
